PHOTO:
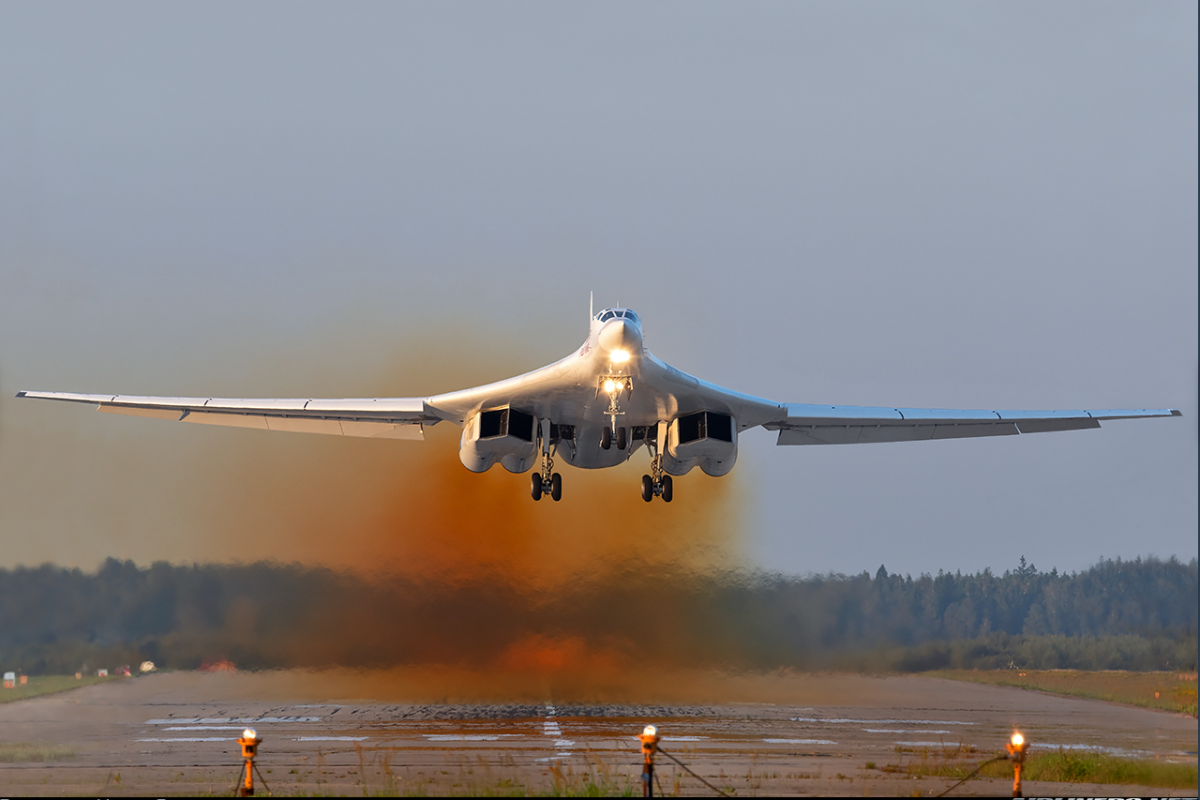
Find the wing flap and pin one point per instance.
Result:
(155, 413)
(228, 420)
(1051, 425)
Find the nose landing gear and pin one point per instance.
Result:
(607, 438)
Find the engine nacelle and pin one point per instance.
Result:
(706, 439)
(500, 434)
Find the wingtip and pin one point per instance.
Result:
(1175, 412)
(21, 394)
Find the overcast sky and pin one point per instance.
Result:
(933, 205)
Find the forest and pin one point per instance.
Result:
(1139, 614)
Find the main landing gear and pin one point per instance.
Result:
(660, 488)
(546, 480)
(551, 486)
(657, 483)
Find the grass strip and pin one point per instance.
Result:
(1062, 767)
(1166, 691)
(49, 684)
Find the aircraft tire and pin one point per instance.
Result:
(556, 487)
(535, 486)
(647, 488)
(606, 438)
(667, 488)
(621, 442)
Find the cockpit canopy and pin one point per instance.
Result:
(618, 313)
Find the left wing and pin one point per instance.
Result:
(382, 418)
(811, 424)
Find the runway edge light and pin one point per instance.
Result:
(649, 739)
(249, 743)
(1016, 747)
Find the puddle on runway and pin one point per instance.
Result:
(843, 720)
(219, 720)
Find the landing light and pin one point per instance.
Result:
(610, 386)
(1018, 739)
(249, 733)
(619, 356)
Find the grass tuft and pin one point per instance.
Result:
(1057, 767)
(22, 752)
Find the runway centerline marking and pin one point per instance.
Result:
(551, 728)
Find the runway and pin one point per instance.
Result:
(174, 733)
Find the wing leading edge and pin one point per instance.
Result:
(815, 424)
(381, 418)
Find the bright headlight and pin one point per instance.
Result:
(619, 356)
(1017, 739)
(610, 386)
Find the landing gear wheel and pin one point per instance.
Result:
(666, 488)
(556, 487)
(606, 438)
(621, 439)
(647, 488)
(535, 486)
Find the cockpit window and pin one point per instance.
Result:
(618, 313)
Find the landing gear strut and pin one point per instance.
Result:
(657, 483)
(546, 480)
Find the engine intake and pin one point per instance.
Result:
(499, 434)
(705, 439)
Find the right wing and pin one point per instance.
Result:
(381, 418)
(812, 424)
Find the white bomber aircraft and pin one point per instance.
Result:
(594, 409)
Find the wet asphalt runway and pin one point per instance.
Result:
(176, 733)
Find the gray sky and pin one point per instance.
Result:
(940, 205)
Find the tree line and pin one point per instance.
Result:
(1139, 614)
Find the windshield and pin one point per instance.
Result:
(618, 313)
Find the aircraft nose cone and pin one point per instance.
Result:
(621, 334)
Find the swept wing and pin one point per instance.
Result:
(815, 424)
(382, 418)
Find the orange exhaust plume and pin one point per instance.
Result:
(526, 595)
